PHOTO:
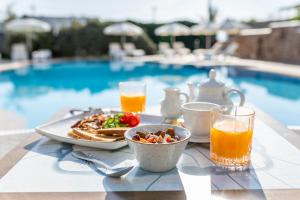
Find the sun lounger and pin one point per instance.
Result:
(165, 50)
(215, 49)
(115, 51)
(18, 52)
(208, 54)
(162, 46)
(180, 48)
(230, 49)
(178, 45)
(131, 50)
(41, 56)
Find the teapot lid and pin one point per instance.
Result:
(212, 83)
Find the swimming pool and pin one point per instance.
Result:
(37, 92)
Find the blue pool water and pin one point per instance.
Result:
(38, 92)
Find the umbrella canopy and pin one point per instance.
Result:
(124, 28)
(207, 29)
(27, 25)
(173, 29)
(204, 29)
(232, 27)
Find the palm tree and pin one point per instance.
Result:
(212, 12)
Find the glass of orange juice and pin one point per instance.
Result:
(133, 96)
(231, 132)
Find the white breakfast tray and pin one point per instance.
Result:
(49, 167)
(58, 130)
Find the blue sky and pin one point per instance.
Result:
(166, 10)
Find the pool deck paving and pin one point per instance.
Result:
(267, 66)
(13, 65)
(11, 136)
(292, 70)
(11, 121)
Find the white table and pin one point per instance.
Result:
(46, 167)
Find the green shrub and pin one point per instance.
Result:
(187, 40)
(89, 39)
(79, 40)
(39, 41)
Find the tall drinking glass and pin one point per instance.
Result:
(231, 136)
(133, 96)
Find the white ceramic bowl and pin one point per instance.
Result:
(158, 157)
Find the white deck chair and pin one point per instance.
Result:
(165, 49)
(180, 48)
(215, 49)
(19, 52)
(131, 50)
(183, 51)
(230, 49)
(178, 45)
(41, 55)
(115, 51)
(208, 54)
(162, 46)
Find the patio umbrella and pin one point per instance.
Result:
(173, 30)
(232, 27)
(27, 26)
(207, 29)
(123, 29)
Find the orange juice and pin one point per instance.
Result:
(231, 142)
(133, 103)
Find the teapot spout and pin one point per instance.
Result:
(192, 91)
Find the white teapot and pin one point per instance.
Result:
(171, 105)
(214, 92)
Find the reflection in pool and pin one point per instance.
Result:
(38, 92)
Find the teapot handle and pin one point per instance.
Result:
(242, 96)
(185, 96)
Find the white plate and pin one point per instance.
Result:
(58, 130)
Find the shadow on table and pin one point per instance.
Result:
(228, 183)
(159, 195)
(63, 153)
(181, 195)
(222, 183)
(141, 184)
(157, 189)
